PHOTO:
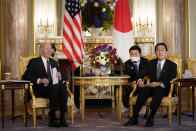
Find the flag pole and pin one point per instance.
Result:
(81, 68)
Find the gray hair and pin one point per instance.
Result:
(42, 46)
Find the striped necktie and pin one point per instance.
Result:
(158, 71)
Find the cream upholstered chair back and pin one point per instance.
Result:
(175, 59)
(178, 61)
(24, 61)
(192, 66)
(0, 69)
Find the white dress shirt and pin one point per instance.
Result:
(45, 65)
(162, 64)
(137, 63)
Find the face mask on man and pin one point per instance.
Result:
(135, 59)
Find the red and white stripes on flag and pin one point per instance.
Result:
(123, 31)
(72, 44)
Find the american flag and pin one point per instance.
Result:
(72, 44)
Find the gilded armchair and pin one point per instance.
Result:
(42, 103)
(0, 69)
(192, 67)
(167, 101)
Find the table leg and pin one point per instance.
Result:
(179, 104)
(120, 104)
(116, 109)
(2, 104)
(193, 101)
(80, 99)
(26, 103)
(83, 102)
(13, 106)
(113, 98)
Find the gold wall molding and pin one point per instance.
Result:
(89, 42)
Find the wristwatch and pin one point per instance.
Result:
(162, 85)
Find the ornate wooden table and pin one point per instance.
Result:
(184, 82)
(13, 85)
(118, 81)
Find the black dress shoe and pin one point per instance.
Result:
(63, 124)
(53, 124)
(149, 123)
(131, 122)
(165, 116)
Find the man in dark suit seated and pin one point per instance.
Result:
(39, 72)
(133, 66)
(161, 71)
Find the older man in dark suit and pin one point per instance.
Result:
(133, 67)
(39, 71)
(161, 71)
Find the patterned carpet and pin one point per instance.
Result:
(106, 122)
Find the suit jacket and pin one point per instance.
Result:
(168, 72)
(130, 69)
(36, 69)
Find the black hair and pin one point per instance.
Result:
(163, 44)
(53, 47)
(135, 47)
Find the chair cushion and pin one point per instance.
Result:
(164, 100)
(40, 102)
(70, 101)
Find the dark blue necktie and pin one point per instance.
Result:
(49, 71)
(136, 68)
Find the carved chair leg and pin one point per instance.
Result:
(68, 111)
(72, 114)
(131, 110)
(148, 110)
(162, 111)
(43, 114)
(169, 114)
(34, 117)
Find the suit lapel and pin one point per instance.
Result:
(155, 67)
(51, 63)
(163, 69)
(42, 64)
(141, 64)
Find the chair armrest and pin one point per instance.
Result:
(171, 88)
(134, 89)
(68, 90)
(147, 79)
(31, 91)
